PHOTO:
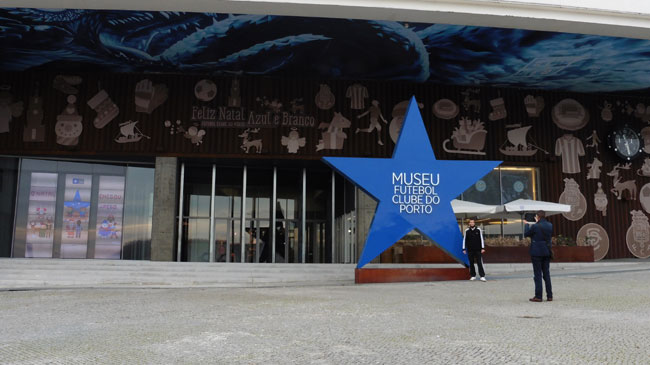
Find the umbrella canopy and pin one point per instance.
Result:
(527, 205)
(463, 207)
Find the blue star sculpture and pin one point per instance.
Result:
(413, 190)
(77, 204)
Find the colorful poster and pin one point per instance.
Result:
(76, 209)
(40, 216)
(110, 204)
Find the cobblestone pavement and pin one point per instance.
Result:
(595, 319)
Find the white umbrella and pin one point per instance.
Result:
(522, 206)
(463, 208)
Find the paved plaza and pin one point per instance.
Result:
(596, 318)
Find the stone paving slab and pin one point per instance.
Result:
(596, 318)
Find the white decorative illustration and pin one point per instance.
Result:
(293, 141)
(129, 133)
(471, 103)
(645, 169)
(445, 109)
(9, 108)
(247, 143)
(606, 114)
(642, 112)
(570, 148)
(570, 115)
(105, 108)
(324, 98)
(592, 234)
(205, 90)
(68, 125)
(296, 106)
(234, 99)
(375, 114)
(600, 200)
(534, 105)
(594, 140)
(66, 84)
(638, 235)
(357, 94)
(333, 136)
(149, 96)
(498, 109)
(517, 144)
(645, 134)
(468, 137)
(620, 187)
(34, 129)
(644, 197)
(626, 107)
(193, 133)
(273, 106)
(399, 110)
(573, 197)
(594, 169)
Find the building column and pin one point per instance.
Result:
(366, 207)
(164, 209)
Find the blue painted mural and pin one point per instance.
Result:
(209, 43)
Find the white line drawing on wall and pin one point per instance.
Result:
(606, 112)
(66, 83)
(445, 109)
(375, 114)
(234, 99)
(498, 109)
(129, 133)
(9, 109)
(398, 113)
(645, 169)
(594, 140)
(247, 144)
(332, 135)
(205, 90)
(592, 234)
(468, 138)
(573, 196)
(68, 125)
(149, 96)
(620, 187)
(34, 128)
(594, 169)
(645, 134)
(534, 105)
(324, 98)
(570, 148)
(638, 235)
(357, 94)
(570, 115)
(293, 141)
(470, 103)
(105, 108)
(600, 200)
(516, 143)
(642, 112)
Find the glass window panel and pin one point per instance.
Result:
(486, 190)
(8, 191)
(138, 212)
(518, 183)
(259, 185)
(197, 190)
(220, 239)
(319, 191)
(110, 208)
(289, 194)
(198, 240)
(228, 192)
(76, 213)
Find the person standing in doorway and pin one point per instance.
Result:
(474, 247)
(540, 235)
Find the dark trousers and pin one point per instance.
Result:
(541, 270)
(475, 257)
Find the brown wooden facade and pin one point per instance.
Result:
(259, 107)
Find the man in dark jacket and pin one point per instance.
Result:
(540, 235)
(474, 246)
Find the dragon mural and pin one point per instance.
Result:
(211, 43)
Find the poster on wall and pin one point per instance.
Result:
(40, 215)
(110, 205)
(76, 209)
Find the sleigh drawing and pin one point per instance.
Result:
(468, 138)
